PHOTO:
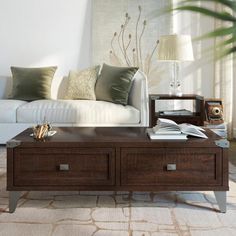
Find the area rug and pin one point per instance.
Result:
(116, 213)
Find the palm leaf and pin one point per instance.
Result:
(224, 43)
(220, 32)
(228, 41)
(228, 3)
(227, 45)
(231, 50)
(221, 16)
(227, 52)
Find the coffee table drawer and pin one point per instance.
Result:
(58, 166)
(171, 166)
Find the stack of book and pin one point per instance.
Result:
(168, 129)
(181, 112)
(219, 129)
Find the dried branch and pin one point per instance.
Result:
(140, 44)
(127, 46)
(118, 39)
(136, 35)
(152, 53)
(136, 58)
(112, 41)
(127, 18)
(115, 59)
(126, 49)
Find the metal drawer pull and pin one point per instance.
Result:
(171, 167)
(64, 167)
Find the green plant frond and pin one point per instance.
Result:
(227, 42)
(220, 32)
(222, 48)
(232, 50)
(228, 3)
(224, 45)
(205, 11)
(226, 52)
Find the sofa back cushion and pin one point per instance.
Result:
(114, 84)
(31, 84)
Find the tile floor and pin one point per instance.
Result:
(116, 213)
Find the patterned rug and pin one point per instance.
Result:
(116, 213)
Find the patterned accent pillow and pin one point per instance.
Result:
(81, 84)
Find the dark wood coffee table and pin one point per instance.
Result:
(116, 159)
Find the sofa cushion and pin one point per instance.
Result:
(114, 84)
(31, 84)
(81, 112)
(81, 84)
(8, 110)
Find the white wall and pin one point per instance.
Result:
(44, 33)
(58, 32)
(197, 76)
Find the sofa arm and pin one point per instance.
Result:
(5, 86)
(139, 97)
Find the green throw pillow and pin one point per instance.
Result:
(114, 84)
(31, 84)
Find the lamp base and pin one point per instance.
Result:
(175, 89)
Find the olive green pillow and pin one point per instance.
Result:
(31, 84)
(114, 84)
(81, 84)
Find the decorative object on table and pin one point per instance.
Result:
(214, 111)
(175, 48)
(40, 132)
(215, 117)
(195, 117)
(168, 129)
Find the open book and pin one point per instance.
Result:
(169, 127)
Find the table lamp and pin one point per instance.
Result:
(175, 48)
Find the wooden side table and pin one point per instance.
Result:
(196, 117)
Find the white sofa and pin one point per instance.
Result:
(16, 115)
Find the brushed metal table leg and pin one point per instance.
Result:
(221, 200)
(13, 199)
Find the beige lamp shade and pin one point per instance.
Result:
(175, 48)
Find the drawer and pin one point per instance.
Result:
(61, 166)
(171, 166)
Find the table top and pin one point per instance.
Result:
(102, 136)
(182, 97)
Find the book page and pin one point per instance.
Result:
(187, 125)
(166, 121)
(192, 130)
(166, 125)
